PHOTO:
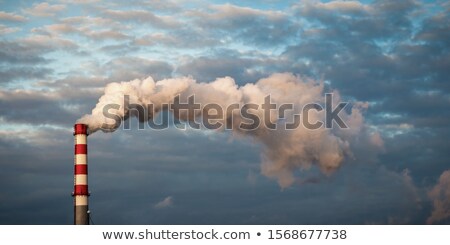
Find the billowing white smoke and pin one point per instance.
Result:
(284, 151)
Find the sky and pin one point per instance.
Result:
(57, 56)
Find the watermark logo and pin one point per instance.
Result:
(245, 117)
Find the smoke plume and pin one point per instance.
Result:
(440, 196)
(283, 150)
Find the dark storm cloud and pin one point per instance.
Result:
(373, 52)
(382, 53)
(146, 179)
(436, 30)
(420, 151)
(423, 110)
(37, 174)
(345, 36)
(160, 168)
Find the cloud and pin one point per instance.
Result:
(244, 67)
(435, 29)
(392, 54)
(17, 73)
(58, 107)
(440, 196)
(44, 9)
(406, 56)
(95, 75)
(7, 30)
(108, 34)
(159, 5)
(49, 43)
(177, 39)
(32, 49)
(89, 21)
(142, 17)
(126, 68)
(208, 68)
(252, 178)
(252, 26)
(81, 2)
(11, 17)
(344, 6)
(20, 53)
(166, 203)
(96, 29)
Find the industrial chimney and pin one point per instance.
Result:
(80, 192)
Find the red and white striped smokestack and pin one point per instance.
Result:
(80, 191)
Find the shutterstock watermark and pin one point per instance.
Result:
(246, 117)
